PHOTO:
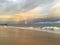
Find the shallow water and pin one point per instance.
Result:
(16, 36)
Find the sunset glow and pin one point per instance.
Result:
(27, 11)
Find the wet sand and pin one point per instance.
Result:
(27, 37)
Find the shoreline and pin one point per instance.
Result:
(33, 28)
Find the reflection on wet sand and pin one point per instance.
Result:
(27, 37)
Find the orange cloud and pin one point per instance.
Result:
(23, 16)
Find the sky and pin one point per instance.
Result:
(28, 8)
(38, 6)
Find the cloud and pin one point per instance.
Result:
(56, 7)
(42, 8)
(9, 6)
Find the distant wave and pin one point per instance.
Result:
(48, 23)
